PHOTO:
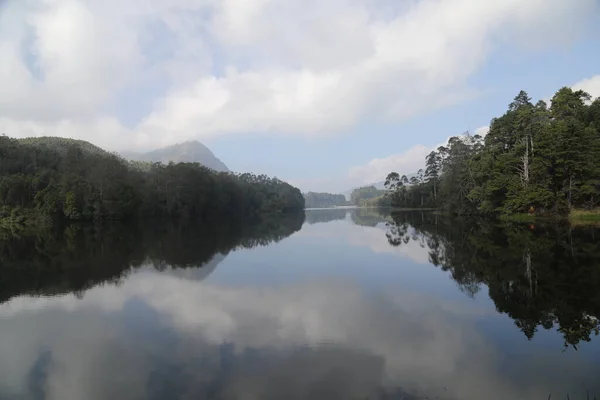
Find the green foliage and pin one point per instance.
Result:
(366, 196)
(317, 200)
(533, 160)
(583, 216)
(369, 216)
(74, 180)
(70, 208)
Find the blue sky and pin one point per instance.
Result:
(329, 95)
(507, 72)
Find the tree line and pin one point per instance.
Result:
(323, 200)
(366, 196)
(48, 178)
(534, 159)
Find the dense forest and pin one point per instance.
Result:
(48, 178)
(535, 159)
(366, 196)
(319, 200)
(542, 276)
(79, 256)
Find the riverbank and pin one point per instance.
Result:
(584, 217)
(575, 217)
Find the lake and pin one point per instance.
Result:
(334, 304)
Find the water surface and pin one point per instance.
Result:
(340, 304)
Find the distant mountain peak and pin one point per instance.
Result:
(188, 151)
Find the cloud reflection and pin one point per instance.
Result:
(160, 336)
(370, 237)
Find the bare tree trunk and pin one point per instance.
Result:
(570, 190)
(526, 162)
(524, 169)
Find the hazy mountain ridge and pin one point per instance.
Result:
(61, 144)
(190, 151)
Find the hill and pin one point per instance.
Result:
(48, 179)
(61, 145)
(190, 151)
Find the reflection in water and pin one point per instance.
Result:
(359, 216)
(325, 215)
(369, 216)
(79, 257)
(208, 343)
(541, 275)
(163, 332)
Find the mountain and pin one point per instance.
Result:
(190, 151)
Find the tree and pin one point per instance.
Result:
(433, 164)
(533, 159)
(49, 178)
(392, 181)
(315, 200)
(366, 195)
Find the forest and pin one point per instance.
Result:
(535, 159)
(44, 179)
(318, 200)
(366, 196)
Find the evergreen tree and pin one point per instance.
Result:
(533, 159)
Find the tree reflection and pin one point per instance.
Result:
(369, 216)
(77, 257)
(325, 215)
(541, 275)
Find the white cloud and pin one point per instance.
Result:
(591, 85)
(482, 130)
(279, 67)
(373, 238)
(376, 170)
(404, 163)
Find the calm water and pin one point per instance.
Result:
(340, 304)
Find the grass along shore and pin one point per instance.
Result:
(585, 217)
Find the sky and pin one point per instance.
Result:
(326, 94)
